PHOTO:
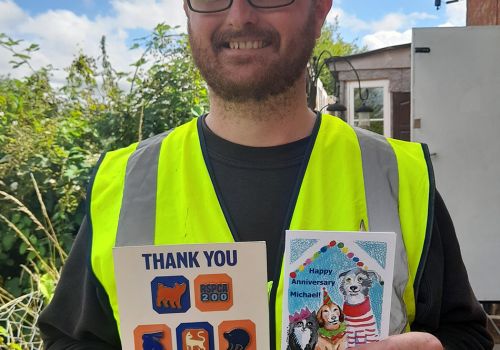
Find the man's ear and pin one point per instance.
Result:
(185, 6)
(322, 9)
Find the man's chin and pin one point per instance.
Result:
(246, 87)
(238, 94)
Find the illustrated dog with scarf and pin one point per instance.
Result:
(332, 329)
(355, 285)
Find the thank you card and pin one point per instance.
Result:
(193, 297)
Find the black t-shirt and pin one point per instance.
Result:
(255, 185)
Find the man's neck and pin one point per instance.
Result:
(275, 121)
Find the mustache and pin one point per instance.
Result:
(220, 39)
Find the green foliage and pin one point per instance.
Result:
(164, 93)
(56, 135)
(331, 41)
(18, 315)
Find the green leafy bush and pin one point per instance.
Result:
(57, 134)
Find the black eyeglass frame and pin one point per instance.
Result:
(288, 3)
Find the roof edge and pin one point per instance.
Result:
(367, 53)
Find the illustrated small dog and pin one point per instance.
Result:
(332, 332)
(355, 286)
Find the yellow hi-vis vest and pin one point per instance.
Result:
(160, 191)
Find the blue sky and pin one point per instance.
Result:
(64, 27)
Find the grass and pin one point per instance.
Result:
(18, 315)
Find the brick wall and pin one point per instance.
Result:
(483, 12)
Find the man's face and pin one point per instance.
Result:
(245, 53)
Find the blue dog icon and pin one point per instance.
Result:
(152, 341)
(237, 338)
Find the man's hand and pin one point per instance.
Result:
(410, 341)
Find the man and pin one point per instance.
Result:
(261, 162)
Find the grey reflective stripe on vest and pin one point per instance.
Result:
(380, 173)
(136, 225)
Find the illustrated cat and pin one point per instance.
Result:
(303, 333)
(170, 297)
(237, 338)
(199, 343)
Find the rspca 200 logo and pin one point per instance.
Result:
(170, 294)
(213, 292)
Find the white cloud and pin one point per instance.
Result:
(347, 20)
(61, 34)
(386, 38)
(456, 14)
(145, 14)
(393, 29)
(10, 15)
(398, 21)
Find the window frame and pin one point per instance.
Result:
(352, 85)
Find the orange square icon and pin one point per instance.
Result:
(239, 335)
(152, 337)
(195, 339)
(213, 292)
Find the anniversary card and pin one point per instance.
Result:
(337, 291)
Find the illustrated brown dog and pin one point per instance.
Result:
(332, 332)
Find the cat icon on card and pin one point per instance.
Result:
(195, 336)
(170, 294)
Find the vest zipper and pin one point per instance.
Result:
(286, 226)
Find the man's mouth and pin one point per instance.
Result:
(249, 38)
(246, 45)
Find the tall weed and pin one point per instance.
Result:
(18, 315)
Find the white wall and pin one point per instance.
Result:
(456, 96)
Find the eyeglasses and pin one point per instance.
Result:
(211, 6)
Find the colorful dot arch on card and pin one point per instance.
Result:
(341, 246)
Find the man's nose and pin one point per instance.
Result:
(241, 13)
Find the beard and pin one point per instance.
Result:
(273, 79)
